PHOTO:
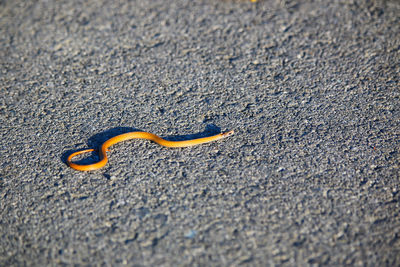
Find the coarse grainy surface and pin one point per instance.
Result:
(311, 176)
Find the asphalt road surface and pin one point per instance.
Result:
(311, 89)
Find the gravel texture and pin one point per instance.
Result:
(311, 176)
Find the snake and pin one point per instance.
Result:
(137, 135)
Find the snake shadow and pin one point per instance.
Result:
(98, 139)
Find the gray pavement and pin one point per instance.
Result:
(311, 176)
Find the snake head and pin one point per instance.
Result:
(226, 134)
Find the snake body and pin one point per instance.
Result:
(137, 135)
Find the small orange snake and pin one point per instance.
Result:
(137, 135)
